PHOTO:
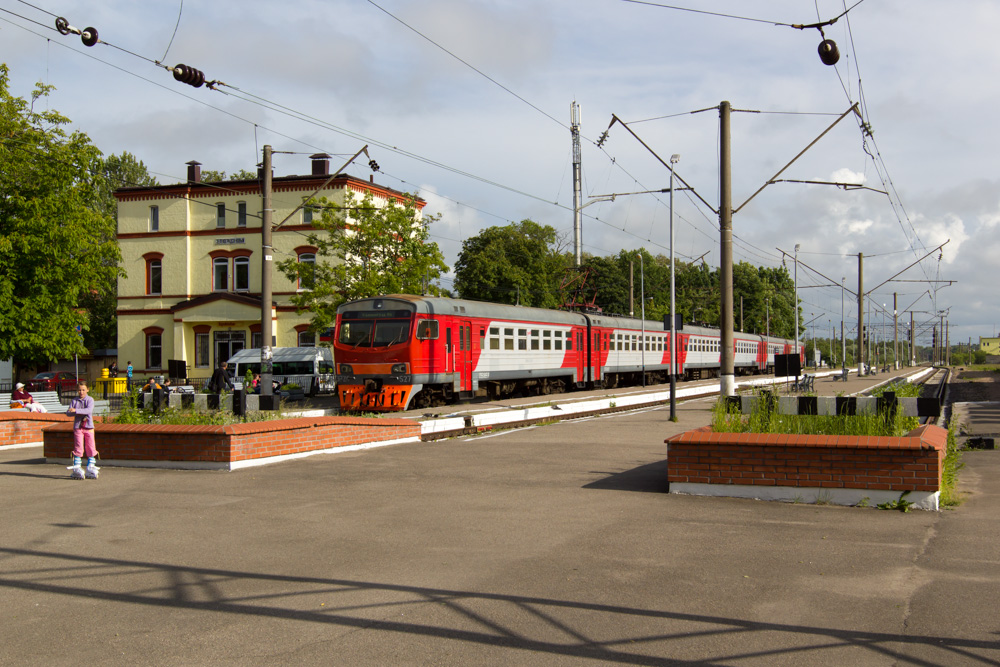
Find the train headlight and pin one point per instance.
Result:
(345, 369)
(399, 369)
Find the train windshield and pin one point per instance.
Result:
(373, 332)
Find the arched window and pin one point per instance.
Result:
(241, 273)
(306, 276)
(305, 337)
(154, 347)
(220, 274)
(154, 272)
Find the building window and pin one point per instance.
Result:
(220, 215)
(154, 218)
(306, 277)
(307, 215)
(154, 358)
(241, 273)
(220, 274)
(255, 338)
(154, 284)
(241, 216)
(202, 350)
(307, 339)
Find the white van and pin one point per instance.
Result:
(309, 367)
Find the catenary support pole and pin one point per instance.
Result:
(266, 252)
(861, 313)
(727, 385)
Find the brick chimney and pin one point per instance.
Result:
(194, 171)
(320, 164)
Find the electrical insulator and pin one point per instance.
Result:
(828, 52)
(189, 75)
(373, 164)
(89, 36)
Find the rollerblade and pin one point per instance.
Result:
(76, 472)
(91, 471)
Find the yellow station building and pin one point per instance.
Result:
(192, 254)
(990, 346)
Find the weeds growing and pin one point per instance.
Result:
(131, 413)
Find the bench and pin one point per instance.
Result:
(805, 383)
(47, 399)
(50, 401)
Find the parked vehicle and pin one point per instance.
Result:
(309, 367)
(52, 381)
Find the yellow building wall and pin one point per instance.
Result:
(187, 237)
(989, 345)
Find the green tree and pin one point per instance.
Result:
(215, 176)
(115, 171)
(518, 263)
(56, 247)
(368, 250)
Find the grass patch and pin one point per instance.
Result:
(950, 496)
(764, 418)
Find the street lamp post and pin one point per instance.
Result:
(674, 159)
(795, 309)
(642, 296)
(843, 341)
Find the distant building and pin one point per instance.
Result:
(191, 252)
(990, 346)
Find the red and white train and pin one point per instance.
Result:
(402, 351)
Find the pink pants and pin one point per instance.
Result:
(83, 442)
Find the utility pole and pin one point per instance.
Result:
(895, 334)
(843, 339)
(861, 314)
(574, 128)
(266, 390)
(727, 386)
(913, 347)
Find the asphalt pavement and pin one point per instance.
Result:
(553, 545)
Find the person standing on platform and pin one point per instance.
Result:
(82, 411)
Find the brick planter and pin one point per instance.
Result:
(230, 447)
(20, 428)
(841, 470)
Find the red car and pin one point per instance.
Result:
(53, 381)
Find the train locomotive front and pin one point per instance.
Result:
(374, 348)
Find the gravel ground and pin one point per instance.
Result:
(974, 386)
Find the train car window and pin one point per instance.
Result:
(522, 343)
(482, 338)
(569, 341)
(427, 330)
(447, 339)
(461, 339)
(508, 332)
(468, 337)
(508, 339)
(558, 342)
(494, 338)
(534, 339)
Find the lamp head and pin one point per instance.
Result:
(675, 158)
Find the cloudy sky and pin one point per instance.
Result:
(467, 102)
